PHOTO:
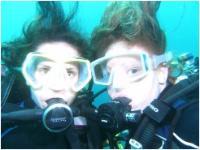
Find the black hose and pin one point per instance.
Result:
(22, 115)
(182, 92)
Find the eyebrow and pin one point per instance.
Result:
(45, 63)
(72, 64)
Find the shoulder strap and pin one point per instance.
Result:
(191, 107)
(159, 110)
(72, 137)
(6, 86)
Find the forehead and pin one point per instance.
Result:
(121, 47)
(58, 50)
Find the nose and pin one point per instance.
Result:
(119, 81)
(57, 81)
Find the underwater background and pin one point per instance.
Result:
(179, 20)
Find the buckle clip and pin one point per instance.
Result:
(135, 144)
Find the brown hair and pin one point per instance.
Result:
(134, 22)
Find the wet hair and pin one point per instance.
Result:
(50, 25)
(134, 22)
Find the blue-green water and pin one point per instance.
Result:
(179, 20)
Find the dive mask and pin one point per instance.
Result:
(39, 69)
(134, 65)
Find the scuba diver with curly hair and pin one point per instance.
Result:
(53, 61)
(147, 111)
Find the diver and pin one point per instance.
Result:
(147, 111)
(50, 57)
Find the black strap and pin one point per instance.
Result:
(158, 111)
(176, 120)
(6, 86)
(180, 89)
(173, 124)
(162, 108)
(72, 137)
(146, 130)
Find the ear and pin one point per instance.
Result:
(162, 75)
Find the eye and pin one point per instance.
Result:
(44, 69)
(71, 73)
(133, 71)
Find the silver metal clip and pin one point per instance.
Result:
(135, 144)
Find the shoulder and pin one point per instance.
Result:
(184, 98)
(186, 130)
(186, 126)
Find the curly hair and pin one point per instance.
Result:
(131, 21)
(50, 25)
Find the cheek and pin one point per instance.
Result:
(69, 98)
(144, 89)
(142, 92)
(139, 92)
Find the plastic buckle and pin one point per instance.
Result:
(135, 144)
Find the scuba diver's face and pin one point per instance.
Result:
(53, 71)
(129, 78)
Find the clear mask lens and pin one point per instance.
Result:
(131, 67)
(40, 70)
